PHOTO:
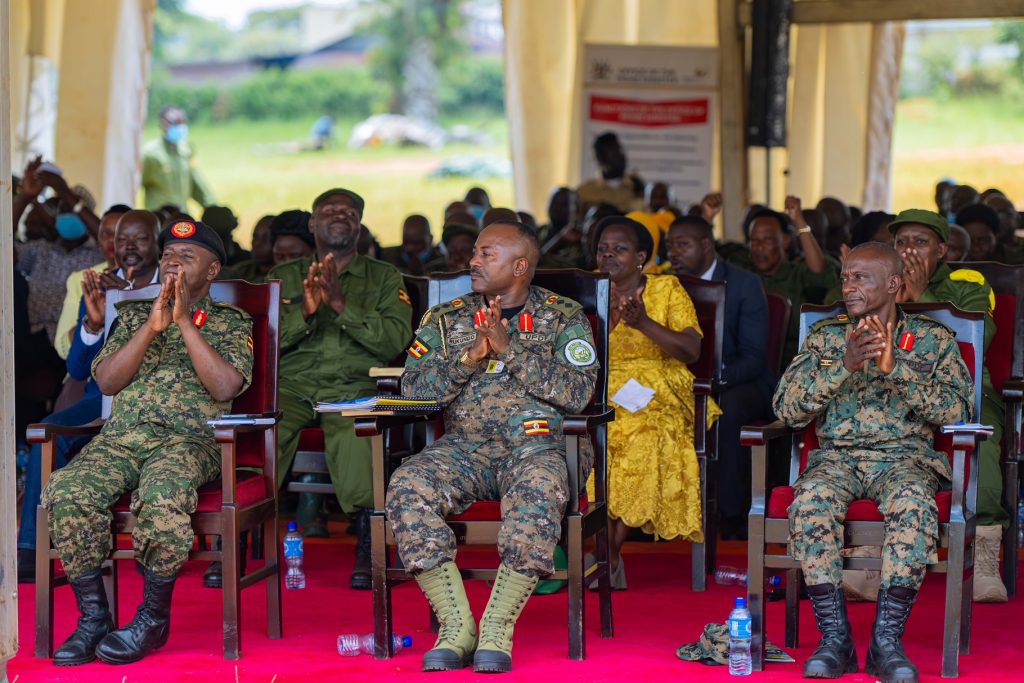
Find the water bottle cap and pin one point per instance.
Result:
(406, 641)
(293, 526)
(740, 602)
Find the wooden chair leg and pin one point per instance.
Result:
(44, 586)
(955, 595)
(271, 553)
(604, 585)
(110, 586)
(231, 570)
(257, 543)
(698, 565)
(383, 628)
(1011, 485)
(755, 594)
(967, 597)
(577, 601)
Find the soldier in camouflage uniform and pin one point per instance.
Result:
(507, 362)
(876, 403)
(172, 364)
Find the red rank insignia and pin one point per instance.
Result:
(907, 341)
(199, 318)
(526, 322)
(479, 317)
(418, 349)
(536, 427)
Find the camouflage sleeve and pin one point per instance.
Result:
(811, 381)
(130, 318)
(562, 374)
(429, 371)
(941, 392)
(234, 345)
(382, 327)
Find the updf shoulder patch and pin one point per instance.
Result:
(841, 319)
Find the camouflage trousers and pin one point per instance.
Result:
(162, 471)
(905, 493)
(444, 480)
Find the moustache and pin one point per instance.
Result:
(475, 271)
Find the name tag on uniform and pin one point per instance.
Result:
(494, 367)
(532, 336)
(459, 339)
(919, 366)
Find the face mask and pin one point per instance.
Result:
(70, 226)
(477, 211)
(176, 133)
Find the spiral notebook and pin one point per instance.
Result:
(385, 402)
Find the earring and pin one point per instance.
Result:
(640, 267)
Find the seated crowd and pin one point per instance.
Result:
(345, 309)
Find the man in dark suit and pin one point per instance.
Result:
(747, 381)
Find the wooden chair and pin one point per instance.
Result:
(243, 499)
(769, 522)
(1005, 363)
(309, 456)
(480, 523)
(708, 298)
(779, 310)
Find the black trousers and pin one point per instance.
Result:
(741, 405)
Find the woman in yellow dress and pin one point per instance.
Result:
(653, 474)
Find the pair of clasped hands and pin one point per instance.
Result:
(491, 332)
(172, 305)
(322, 286)
(870, 341)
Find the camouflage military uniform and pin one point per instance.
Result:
(155, 444)
(503, 430)
(876, 435)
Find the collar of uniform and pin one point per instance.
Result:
(204, 304)
(942, 272)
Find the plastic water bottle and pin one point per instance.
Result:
(731, 576)
(739, 639)
(295, 577)
(352, 644)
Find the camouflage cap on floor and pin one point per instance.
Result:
(712, 648)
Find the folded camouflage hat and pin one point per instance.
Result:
(711, 649)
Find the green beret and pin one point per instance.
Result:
(192, 232)
(922, 217)
(323, 196)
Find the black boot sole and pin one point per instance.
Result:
(491, 662)
(142, 655)
(851, 668)
(74, 662)
(446, 660)
(871, 670)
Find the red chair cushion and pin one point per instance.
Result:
(859, 511)
(490, 511)
(311, 440)
(251, 489)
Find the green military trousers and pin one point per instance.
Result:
(905, 492)
(348, 456)
(445, 480)
(161, 469)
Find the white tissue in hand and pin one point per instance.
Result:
(633, 396)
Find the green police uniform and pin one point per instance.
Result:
(156, 444)
(328, 358)
(801, 285)
(169, 177)
(876, 435)
(967, 290)
(247, 270)
(503, 430)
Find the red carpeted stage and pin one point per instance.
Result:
(657, 613)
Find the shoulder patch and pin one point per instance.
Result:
(841, 319)
(923, 320)
(228, 307)
(445, 308)
(563, 305)
(974, 277)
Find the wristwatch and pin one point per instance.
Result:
(468, 362)
(804, 230)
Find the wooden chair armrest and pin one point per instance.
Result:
(579, 425)
(227, 431)
(759, 435)
(389, 379)
(966, 446)
(45, 431)
(1013, 390)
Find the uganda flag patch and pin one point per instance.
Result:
(907, 341)
(536, 427)
(404, 296)
(418, 349)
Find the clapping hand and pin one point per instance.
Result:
(863, 345)
(493, 328)
(161, 315)
(330, 288)
(109, 279)
(312, 294)
(886, 360)
(95, 296)
(632, 310)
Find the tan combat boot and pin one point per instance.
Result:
(988, 587)
(508, 597)
(456, 638)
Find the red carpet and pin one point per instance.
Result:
(652, 618)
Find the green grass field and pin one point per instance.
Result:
(250, 167)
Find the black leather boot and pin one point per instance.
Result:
(361, 579)
(214, 575)
(310, 512)
(148, 631)
(887, 660)
(836, 654)
(94, 621)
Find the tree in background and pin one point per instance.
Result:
(417, 38)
